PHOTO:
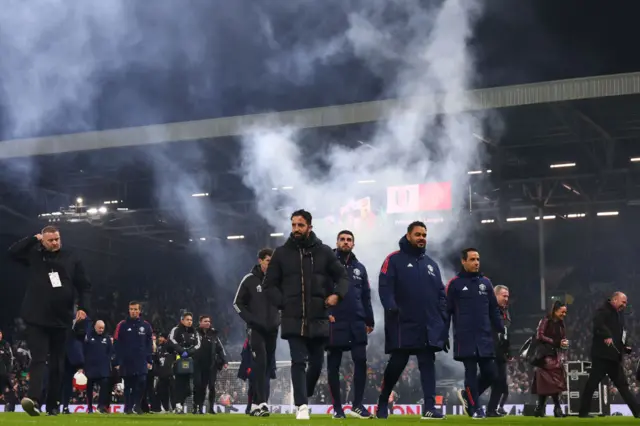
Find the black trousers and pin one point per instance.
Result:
(499, 387)
(263, 351)
(305, 350)
(104, 395)
(166, 392)
(46, 342)
(183, 388)
(203, 378)
(603, 367)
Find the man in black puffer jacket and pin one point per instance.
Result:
(303, 279)
(262, 319)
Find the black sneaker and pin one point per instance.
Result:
(30, 407)
(494, 414)
(65, 410)
(53, 412)
(501, 411)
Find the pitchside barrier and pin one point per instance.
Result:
(231, 396)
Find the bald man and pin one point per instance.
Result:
(98, 350)
(610, 344)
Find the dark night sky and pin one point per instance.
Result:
(517, 41)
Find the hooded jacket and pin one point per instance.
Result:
(301, 275)
(252, 305)
(412, 294)
(473, 307)
(354, 313)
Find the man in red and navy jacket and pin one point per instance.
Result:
(415, 317)
(349, 324)
(133, 347)
(473, 307)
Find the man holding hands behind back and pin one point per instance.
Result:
(303, 279)
(55, 275)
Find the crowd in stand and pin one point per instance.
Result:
(162, 310)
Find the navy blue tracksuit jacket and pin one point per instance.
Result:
(98, 351)
(354, 312)
(133, 347)
(474, 310)
(413, 296)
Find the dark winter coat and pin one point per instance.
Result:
(133, 343)
(211, 354)
(98, 352)
(163, 361)
(412, 294)
(43, 304)
(354, 313)
(185, 339)
(75, 340)
(501, 339)
(608, 323)
(252, 305)
(474, 310)
(246, 360)
(300, 277)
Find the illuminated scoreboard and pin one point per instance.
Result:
(424, 197)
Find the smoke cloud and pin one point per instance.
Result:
(428, 49)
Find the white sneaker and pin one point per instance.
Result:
(303, 412)
(179, 409)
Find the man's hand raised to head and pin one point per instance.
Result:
(331, 300)
(81, 315)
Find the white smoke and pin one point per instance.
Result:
(411, 146)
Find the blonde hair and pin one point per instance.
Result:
(497, 289)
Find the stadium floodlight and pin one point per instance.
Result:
(203, 239)
(102, 210)
(274, 189)
(79, 200)
(56, 214)
(92, 210)
(608, 213)
(487, 221)
(575, 215)
(170, 241)
(562, 165)
(367, 181)
(546, 217)
(635, 159)
(200, 194)
(475, 172)
(122, 209)
(235, 237)
(287, 187)
(489, 171)
(516, 219)
(277, 234)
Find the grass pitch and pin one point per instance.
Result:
(281, 420)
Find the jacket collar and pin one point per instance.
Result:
(305, 243)
(257, 271)
(465, 274)
(408, 248)
(346, 259)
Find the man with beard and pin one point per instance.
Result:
(185, 341)
(262, 320)
(415, 320)
(499, 387)
(472, 304)
(349, 324)
(55, 277)
(610, 344)
(303, 279)
(209, 359)
(133, 346)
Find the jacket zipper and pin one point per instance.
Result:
(303, 295)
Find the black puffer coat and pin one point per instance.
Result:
(301, 275)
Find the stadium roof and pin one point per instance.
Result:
(593, 122)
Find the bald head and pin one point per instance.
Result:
(99, 327)
(619, 300)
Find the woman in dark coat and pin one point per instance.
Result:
(549, 378)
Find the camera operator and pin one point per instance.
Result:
(185, 341)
